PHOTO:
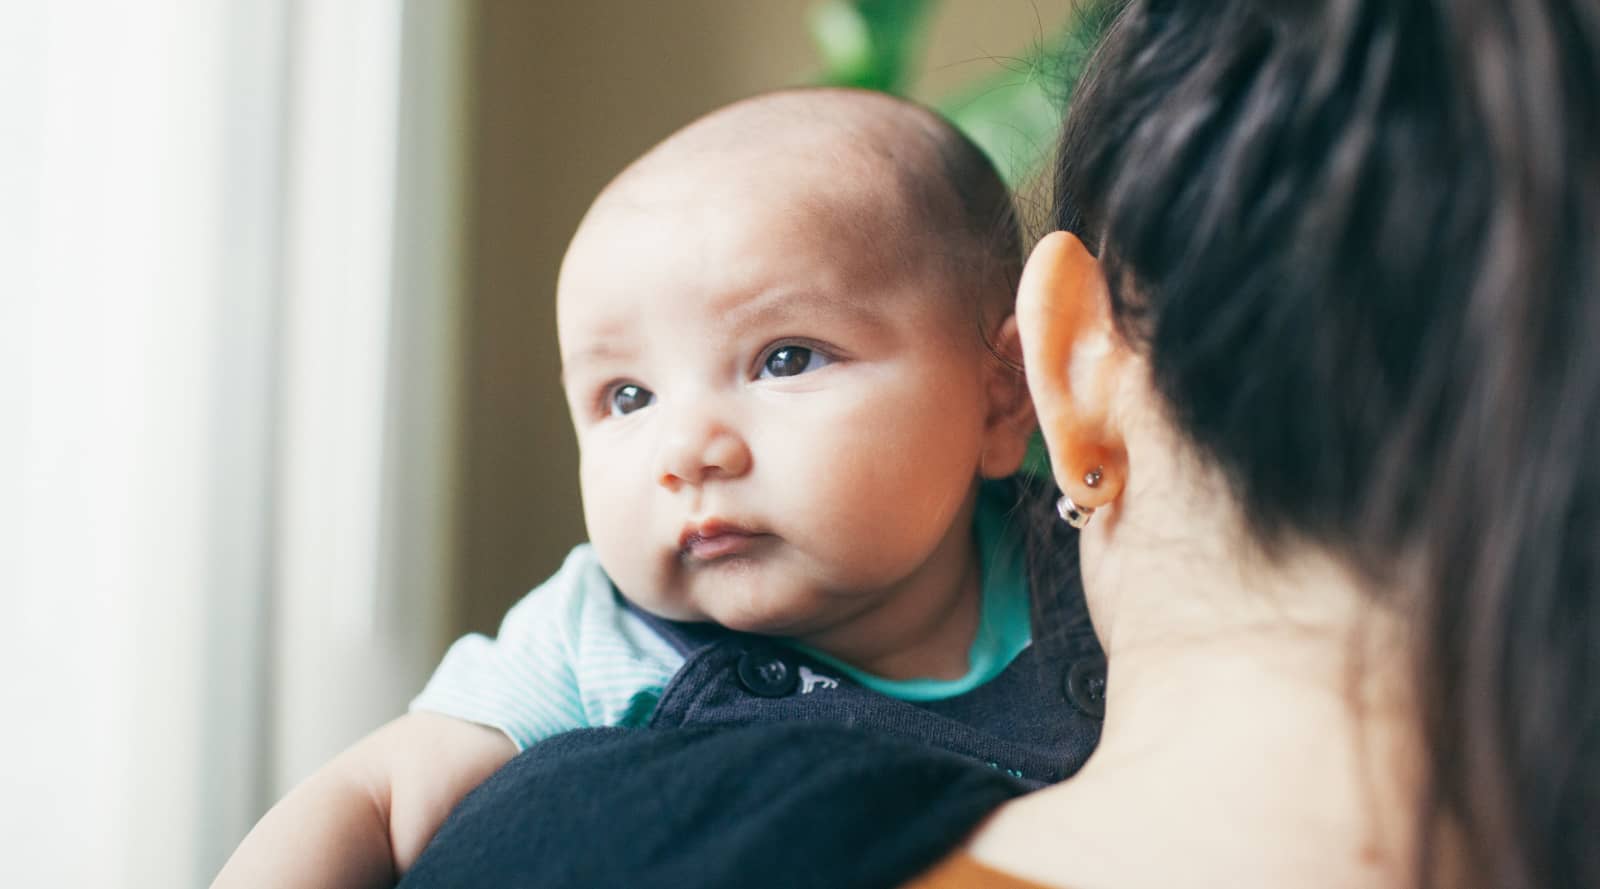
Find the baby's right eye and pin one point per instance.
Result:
(627, 398)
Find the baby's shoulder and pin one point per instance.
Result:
(581, 603)
(576, 596)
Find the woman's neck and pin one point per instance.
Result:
(1256, 733)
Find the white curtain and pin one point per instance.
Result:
(227, 278)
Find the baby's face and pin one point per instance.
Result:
(776, 433)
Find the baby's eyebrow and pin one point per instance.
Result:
(601, 351)
(792, 304)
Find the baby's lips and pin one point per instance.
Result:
(709, 548)
(714, 538)
(706, 529)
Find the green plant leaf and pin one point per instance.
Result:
(1014, 114)
(869, 43)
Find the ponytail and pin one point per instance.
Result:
(1378, 224)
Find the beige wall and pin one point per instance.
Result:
(565, 94)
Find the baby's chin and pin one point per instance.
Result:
(760, 621)
(792, 614)
(748, 607)
(764, 596)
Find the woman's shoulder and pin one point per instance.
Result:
(788, 804)
(963, 871)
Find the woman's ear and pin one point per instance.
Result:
(1010, 421)
(1075, 360)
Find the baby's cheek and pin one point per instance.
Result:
(907, 487)
(880, 515)
(616, 528)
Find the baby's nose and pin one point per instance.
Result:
(699, 448)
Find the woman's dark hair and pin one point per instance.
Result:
(1359, 243)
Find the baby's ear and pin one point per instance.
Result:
(1009, 421)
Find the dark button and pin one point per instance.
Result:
(1085, 686)
(764, 672)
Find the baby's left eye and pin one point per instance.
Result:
(791, 361)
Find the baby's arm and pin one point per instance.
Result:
(363, 818)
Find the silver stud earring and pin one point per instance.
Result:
(1073, 514)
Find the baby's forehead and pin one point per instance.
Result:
(777, 200)
(782, 222)
(739, 236)
(821, 147)
(864, 187)
(718, 258)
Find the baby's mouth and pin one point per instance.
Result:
(711, 540)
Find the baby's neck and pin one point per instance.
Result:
(922, 629)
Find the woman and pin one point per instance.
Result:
(1314, 356)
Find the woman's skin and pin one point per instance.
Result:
(1258, 730)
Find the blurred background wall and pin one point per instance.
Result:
(278, 368)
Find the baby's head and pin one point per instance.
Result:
(778, 337)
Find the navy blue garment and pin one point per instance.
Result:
(779, 806)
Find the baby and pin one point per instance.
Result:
(788, 352)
